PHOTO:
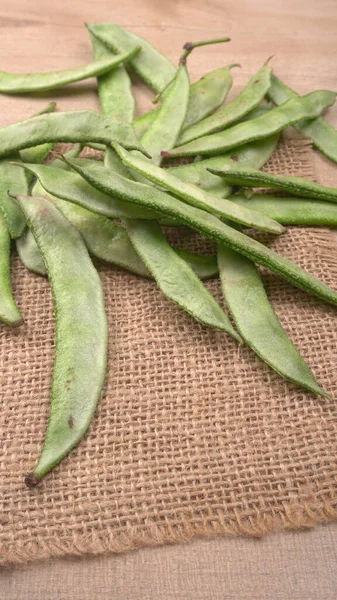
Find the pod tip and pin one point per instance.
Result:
(31, 480)
(165, 154)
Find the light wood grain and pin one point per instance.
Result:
(301, 34)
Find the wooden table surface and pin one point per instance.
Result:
(302, 36)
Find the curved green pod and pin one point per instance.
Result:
(150, 64)
(206, 95)
(207, 224)
(248, 99)
(81, 332)
(105, 240)
(17, 83)
(175, 277)
(9, 312)
(254, 154)
(322, 135)
(296, 109)
(14, 180)
(195, 196)
(291, 211)
(67, 185)
(299, 186)
(114, 87)
(30, 254)
(257, 322)
(74, 126)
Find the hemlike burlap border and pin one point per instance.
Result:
(191, 437)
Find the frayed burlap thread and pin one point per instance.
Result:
(192, 437)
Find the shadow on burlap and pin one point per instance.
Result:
(192, 436)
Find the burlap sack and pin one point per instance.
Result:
(191, 436)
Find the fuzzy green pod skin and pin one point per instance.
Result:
(299, 186)
(9, 312)
(210, 226)
(195, 196)
(114, 88)
(296, 109)
(257, 322)
(105, 240)
(206, 95)
(323, 135)
(175, 277)
(30, 254)
(39, 153)
(67, 185)
(81, 332)
(74, 126)
(14, 180)
(247, 100)
(15, 83)
(255, 155)
(291, 211)
(166, 127)
(152, 66)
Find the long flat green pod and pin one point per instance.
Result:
(17, 83)
(299, 186)
(195, 196)
(81, 331)
(150, 64)
(248, 99)
(175, 277)
(292, 211)
(74, 126)
(207, 224)
(30, 254)
(296, 109)
(257, 322)
(70, 186)
(39, 153)
(206, 95)
(114, 87)
(323, 135)
(166, 127)
(14, 180)
(9, 312)
(254, 154)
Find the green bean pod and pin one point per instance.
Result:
(195, 196)
(9, 312)
(296, 109)
(247, 100)
(30, 254)
(206, 95)
(175, 277)
(207, 224)
(13, 179)
(105, 240)
(299, 186)
(257, 322)
(114, 88)
(81, 331)
(17, 83)
(67, 185)
(152, 66)
(323, 135)
(291, 211)
(74, 126)
(166, 127)
(39, 153)
(254, 154)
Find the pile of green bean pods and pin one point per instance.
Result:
(63, 212)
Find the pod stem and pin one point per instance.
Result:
(188, 47)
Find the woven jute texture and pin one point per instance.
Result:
(191, 436)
